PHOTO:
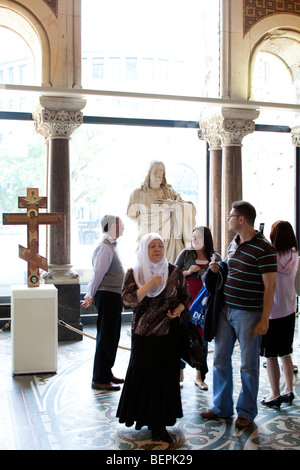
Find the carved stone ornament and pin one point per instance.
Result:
(227, 128)
(234, 130)
(211, 137)
(58, 117)
(295, 131)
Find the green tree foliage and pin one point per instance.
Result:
(22, 166)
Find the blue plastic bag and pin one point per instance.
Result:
(199, 307)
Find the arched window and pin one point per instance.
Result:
(269, 157)
(275, 74)
(162, 47)
(22, 162)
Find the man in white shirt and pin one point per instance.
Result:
(104, 290)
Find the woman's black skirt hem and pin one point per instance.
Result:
(151, 391)
(278, 341)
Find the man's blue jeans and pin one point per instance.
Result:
(236, 325)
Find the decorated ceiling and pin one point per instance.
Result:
(256, 10)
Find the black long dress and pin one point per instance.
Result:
(151, 392)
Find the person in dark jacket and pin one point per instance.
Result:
(214, 283)
(248, 293)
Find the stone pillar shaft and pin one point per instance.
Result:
(225, 130)
(215, 197)
(231, 188)
(59, 172)
(56, 119)
(207, 132)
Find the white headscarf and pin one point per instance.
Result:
(144, 269)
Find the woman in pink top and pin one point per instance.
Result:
(278, 342)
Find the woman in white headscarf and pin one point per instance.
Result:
(157, 292)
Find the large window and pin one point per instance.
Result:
(269, 177)
(22, 162)
(269, 157)
(109, 162)
(163, 47)
(265, 88)
(22, 166)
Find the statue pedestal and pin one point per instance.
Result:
(34, 329)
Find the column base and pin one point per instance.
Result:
(67, 283)
(60, 274)
(69, 311)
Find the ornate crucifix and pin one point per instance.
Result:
(32, 202)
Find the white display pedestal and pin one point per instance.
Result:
(34, 329)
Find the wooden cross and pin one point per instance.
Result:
(32, 202)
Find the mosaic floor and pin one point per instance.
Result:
(62, 412)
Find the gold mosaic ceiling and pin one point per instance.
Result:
(53, 5)
(256, 10)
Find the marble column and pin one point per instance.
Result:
(229, 126)
(206, 132)
(235, 124)
(56, 118)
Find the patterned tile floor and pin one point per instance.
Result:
(61, 411)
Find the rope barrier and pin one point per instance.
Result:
(4, 327)
(62, 323)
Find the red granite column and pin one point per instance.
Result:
(215, 202)
(59, 178)
(231, 189)
(57, 118)
(208, 133)
(225, 129)
(234, 125)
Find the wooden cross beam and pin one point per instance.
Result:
(32, 202)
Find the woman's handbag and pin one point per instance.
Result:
(192, 350)
(199, 307)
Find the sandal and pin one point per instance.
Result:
(201, 385)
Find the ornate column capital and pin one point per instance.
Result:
(58, 117)
(228, 127)
(295, 131)
(209, 131)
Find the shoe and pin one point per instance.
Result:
(288, 397)
(242, 423)
(107, 387)
(295, 369)
(165, 436)
(275, 403)
(201, 385)
(155, 435)
(115, 380)
(161, 435)
(209, 414)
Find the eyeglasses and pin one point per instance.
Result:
(233, 215)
